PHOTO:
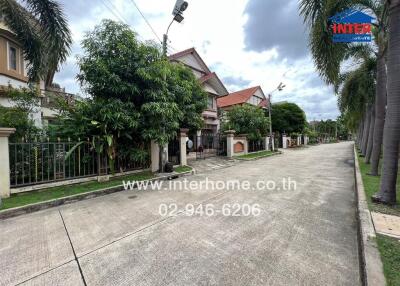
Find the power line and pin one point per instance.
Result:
(116, 9)
(147, 22)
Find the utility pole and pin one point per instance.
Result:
(270, 121)
(279, 88)
(180, 6)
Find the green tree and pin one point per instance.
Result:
(288, 117)
(247, 119)
(41, 28)
(19, 116)
(136, 95)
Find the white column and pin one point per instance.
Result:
(246, 145)
(273, 143)
(182, 144)
(284, 141)
(155, 159)
(229, 143)
(298, 140)
(5, 189)
(305, 140)
(267, 143)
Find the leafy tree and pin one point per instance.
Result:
(288, 117)
(19, 115)
(247, 119)
(40, 26)
(136, 95)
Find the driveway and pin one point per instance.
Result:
(302, 236)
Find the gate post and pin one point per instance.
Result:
(266, 139)
(284, 141)
(229, 143)
(182, 146)
(155, 156)
(5, 190)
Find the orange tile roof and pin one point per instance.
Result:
(238, 97)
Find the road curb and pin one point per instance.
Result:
(13, 212)
(371, 267)
(261, 157)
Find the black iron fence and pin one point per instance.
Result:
(38, 163)
(256, 145)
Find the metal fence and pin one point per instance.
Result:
(256, 145)
(38, 163)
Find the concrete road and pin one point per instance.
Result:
(302, 236)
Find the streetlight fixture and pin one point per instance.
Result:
(280, 87)
(180, 7)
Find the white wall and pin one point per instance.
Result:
(190, 60)
(5, 80)
(209, 88)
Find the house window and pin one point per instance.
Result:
(13, 58)
(210, 103)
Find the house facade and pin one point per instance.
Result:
(210, 83)
(253, 96)
(13, 73)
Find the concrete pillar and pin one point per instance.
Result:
(273, 143)
(246, 145)
(266, 140)
(305, 140)
(182, 146)
(284, 141)
(298, 140)
(155, 159)
(5, 190)
(198, 139)
(229, 143)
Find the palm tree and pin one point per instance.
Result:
(387, 192)
(42, 30)
(380, 97)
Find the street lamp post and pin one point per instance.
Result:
(279, 88)
(180, 7)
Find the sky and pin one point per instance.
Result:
(246, 42)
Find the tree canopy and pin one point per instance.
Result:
(247, 119)
(135, 94)
(288, 117)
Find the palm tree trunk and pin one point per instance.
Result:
(387, 192)
(361, 133)
(366, 130)
(380, 110)
(370, 136)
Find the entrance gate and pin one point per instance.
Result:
(210, 145)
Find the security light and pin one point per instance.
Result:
(180, 6)
(179, 18)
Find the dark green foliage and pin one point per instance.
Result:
(18, 116)
(137, 95)
(288, 118)
(42, 29)
(247, 119)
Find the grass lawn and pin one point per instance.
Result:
(371, 186)
(389, 248)
(17, 200)
(255, 155)
(390, 253)
(182, 169)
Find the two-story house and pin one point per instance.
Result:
(13, 72)
(254, 96)
(210, 82)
